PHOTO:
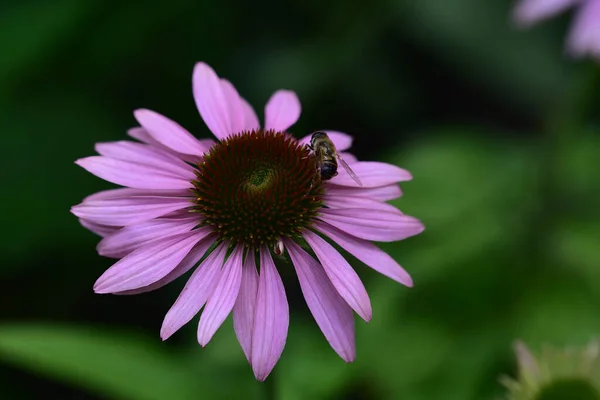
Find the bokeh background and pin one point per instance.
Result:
(499, 128)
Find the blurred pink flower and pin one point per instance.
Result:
(584, 38)
(227, 205)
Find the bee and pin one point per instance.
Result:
(328, 157)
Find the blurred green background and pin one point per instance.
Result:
(499, 129)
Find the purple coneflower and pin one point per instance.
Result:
(226, 205)
(584, 38)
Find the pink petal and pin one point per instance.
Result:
(342, 276)
(528, 12)
(381, 193)
(236, 108)
(585, 35)
(145, 155)
(124, 193)
(131, 174)
(379, 226)
(98, 229)
(221, 302)
(127, 211)
(142, 135)
(349, 158)
(195, 293)
(243, 311)
(334, 201)
(132, 237)
(184, 266)
(212, 101)
(526, 361)
(372, 174)
(282, 110)
(168, 132)
(368, 253)
(250, 118)
(332, 313)
(147, 264)
(341, 141)
(271, 318)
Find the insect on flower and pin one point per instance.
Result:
(328, 157)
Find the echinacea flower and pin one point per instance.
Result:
(226, 205)
(584, 38)
(570, 373)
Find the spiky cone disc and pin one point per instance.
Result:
(257, 187)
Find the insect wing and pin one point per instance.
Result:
(349, 170)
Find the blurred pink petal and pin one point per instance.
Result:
(526, 361)
(221, 302)
(368, 253)
(147, 264)
(271, 318)
(584, 38)
(342, 276)
(332, 313)
(195, 293)
(282, 110)
(528, 12)
(379, 226)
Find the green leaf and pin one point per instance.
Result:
(558, 311)
(398, 354)
(309, 368)
(115, 364)
(223, 368)
(470, 194)
(577, 247)
(580, 164)
(575, 244)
